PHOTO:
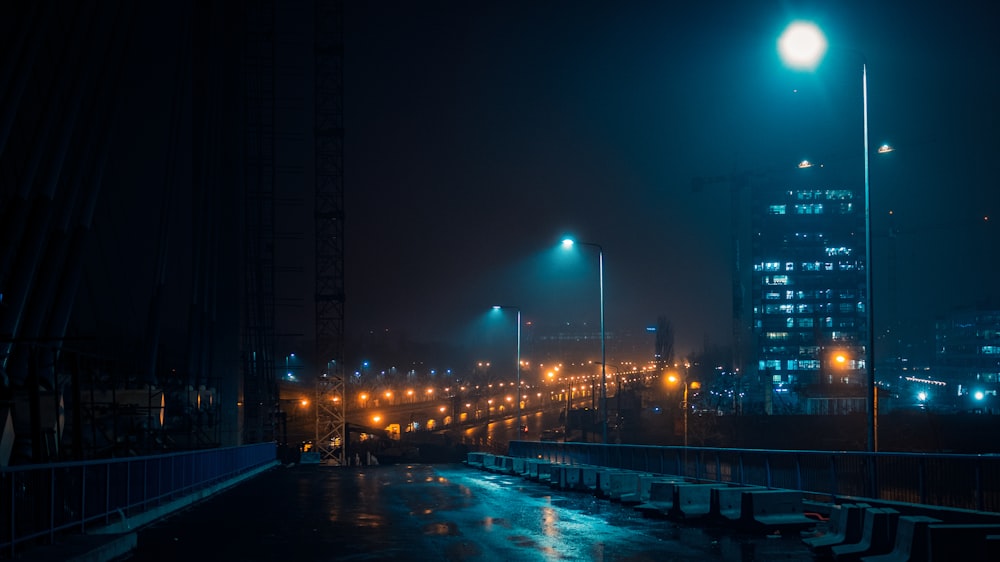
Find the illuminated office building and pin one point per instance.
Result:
(808, 299)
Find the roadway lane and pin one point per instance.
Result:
(431, 512)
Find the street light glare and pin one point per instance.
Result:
(802, 45)
(567, 243)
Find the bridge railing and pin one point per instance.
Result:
(945, 480)
(40, 502)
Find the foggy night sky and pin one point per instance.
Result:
(478, 134)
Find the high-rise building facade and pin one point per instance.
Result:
(808, 298)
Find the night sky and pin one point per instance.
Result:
(478, 134)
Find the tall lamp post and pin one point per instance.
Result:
(568, 243)
(518, 310)
(684, 403)
(618, 398)
(802, 46)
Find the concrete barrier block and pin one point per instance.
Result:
(487, 461)
(726, 503)
(878, 536)
(588, 477)
(641, 495)
(661, 498)
(540, 471)
(693, 500)
(475, 459)
(574, 477)
(505, 465)
(624, 482)
(604, 475)
(520, 466)
(911, 540)
(957, 541)
(773, 510)
(559, 475)
(845, 527)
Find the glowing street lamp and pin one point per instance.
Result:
(568, 243)
(802, 46)
(695, 385)
(518, 358)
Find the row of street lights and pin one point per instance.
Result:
(568, 244)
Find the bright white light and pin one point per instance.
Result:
(979, 395)
(802, 45)
(567, 243)
(922, 396)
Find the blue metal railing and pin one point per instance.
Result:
(943, 480)
(40, 502)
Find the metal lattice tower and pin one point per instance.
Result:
(260, 393)
(331, 434)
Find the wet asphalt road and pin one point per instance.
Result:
(431, 512)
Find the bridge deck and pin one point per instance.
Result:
(431, 512)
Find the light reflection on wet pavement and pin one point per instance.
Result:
(433, 512)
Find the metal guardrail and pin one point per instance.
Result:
(40, 502)
(942, 480)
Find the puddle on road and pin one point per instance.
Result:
(489, 522)
(444, 528)
(527, 542)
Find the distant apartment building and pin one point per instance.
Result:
(808, 299)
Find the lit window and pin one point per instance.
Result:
(776, 210)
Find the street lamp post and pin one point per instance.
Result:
(618, 397)
(684, 403)
(802, 46)
(568, 243)
(518, 310)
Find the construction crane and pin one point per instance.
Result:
(331, 427)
